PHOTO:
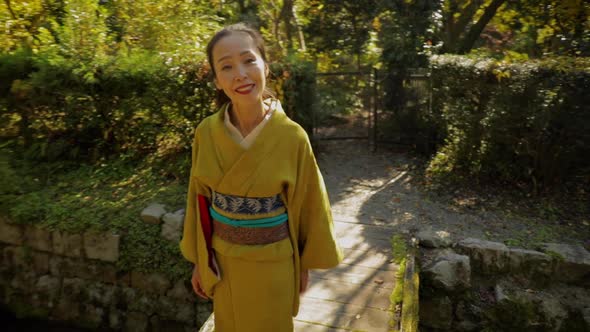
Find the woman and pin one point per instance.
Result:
(258, 216)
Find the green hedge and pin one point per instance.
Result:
(133, 104)
(525, 121)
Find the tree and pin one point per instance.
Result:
(462, 21)
(544, 27)
(340, 27)
(404, 29)
(178, 30)
(535, 27)
(289, 17)
(24, 22)
(281, 24)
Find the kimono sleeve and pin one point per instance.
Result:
(194, 246)
(188, 244)
(316, 240)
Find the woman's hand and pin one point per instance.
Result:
(303, 281)
(196, 281)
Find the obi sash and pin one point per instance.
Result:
(249, 220)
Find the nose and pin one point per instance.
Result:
(240, 72)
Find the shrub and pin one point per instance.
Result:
(294, 82)
(133, 104)
(513, 121)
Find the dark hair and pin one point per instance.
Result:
(221, 97)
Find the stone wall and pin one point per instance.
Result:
(478, 285)
(72, 278)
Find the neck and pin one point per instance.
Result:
(246, 117)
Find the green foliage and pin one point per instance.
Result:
(294, 82)
(517, 121)
(522, 313)
(555, 255)
(22, 309)
(13, 67)
(143, 249)
(108, 196)
(540, 28)
(397, 294)
(22, 21)
(399, 248)
(9, 179)
(404, 29)
(87, 79)
(345, 29)
(510, 316)
(133, 104)
(411, 305)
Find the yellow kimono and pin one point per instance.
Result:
(258, 285)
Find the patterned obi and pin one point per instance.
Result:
(249, 220)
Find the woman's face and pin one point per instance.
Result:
(240, 70)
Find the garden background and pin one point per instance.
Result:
(99, 101)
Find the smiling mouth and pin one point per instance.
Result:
(245, 89)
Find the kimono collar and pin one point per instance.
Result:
(223, 136)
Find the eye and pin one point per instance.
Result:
(250, 60)
(226, 67)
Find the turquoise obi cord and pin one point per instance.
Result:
(255, 223)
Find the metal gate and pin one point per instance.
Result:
(404, 113)
(350, 106)
(343, 106)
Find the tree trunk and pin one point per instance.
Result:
(286, 15)
(242, 6)
(448, 26)
(276, 27)
(299, 29)
(471, 37)
(465, 18)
